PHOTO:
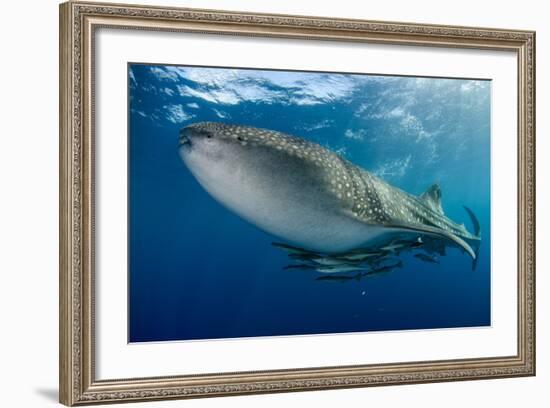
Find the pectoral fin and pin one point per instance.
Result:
(436, 232)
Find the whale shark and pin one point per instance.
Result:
(311, 197)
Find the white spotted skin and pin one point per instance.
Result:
(297, 190)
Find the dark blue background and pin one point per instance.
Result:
(197, 271)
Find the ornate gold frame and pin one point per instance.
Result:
(78, 22)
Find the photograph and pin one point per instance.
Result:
(267, 202)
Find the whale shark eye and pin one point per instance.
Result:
(208, 136)
(240, 138)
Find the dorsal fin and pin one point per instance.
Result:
(432, 198)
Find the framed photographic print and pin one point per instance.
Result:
(263, 203)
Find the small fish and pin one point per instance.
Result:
(392, 247)
(298, 266)
(427, 258)
(383, 269)
(329, 261)
(360, 250)
(416, 244)
(378, 261)
(303, 257)
(339, 269)
(339, 278)
(360, 256)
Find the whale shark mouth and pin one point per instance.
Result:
(184, 141)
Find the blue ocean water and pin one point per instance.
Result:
(198, 271)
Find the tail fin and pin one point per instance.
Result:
(477, 232)
(475, 221)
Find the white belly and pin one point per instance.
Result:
(288, 216)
